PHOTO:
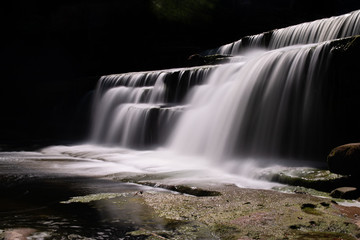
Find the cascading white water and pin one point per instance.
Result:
(137, 109)
(310, 32)
(263, 104)
(266, 103)
(317, 31)
(256, 107)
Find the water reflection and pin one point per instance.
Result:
(33, 206)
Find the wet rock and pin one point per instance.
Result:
(18, 233)
(96, 197)
(318, 179)
(345, 193)
(184, 189)
(345, 159)
(342, 45)
(198, 60)
(229, 217)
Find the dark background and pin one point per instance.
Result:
(54, 52)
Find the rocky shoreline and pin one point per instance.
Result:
(251, 214)
(221, 211)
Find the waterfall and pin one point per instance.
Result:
(266, 103)
(139, 109)
(305, 33)
(317, 31)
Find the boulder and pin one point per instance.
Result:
(345, 193)
(345, 160)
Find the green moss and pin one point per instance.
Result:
(310, 208)
(186, 230)
(235, 214)
(227, 232)
(195, 191)
(318, 179)
(95, 197)
(271, 215)
(301, 190)
(148, 234)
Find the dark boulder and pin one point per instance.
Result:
(345, 193)
(345, 160)
(199, 60)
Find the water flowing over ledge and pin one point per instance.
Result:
(191, 153)
(326, 29)
(265, 103)
(139, 109)
(263, 107)
(269, 105)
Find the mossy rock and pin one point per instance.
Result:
(318, 179)
(195, 191)
(155, 180)
(95, 197)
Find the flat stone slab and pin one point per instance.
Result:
(319, 179)
(250, 214)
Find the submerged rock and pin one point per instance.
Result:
(345, 160)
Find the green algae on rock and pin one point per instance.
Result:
(157, 181)
(95, 197)
(318, 179)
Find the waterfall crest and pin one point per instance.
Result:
(305, 33)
